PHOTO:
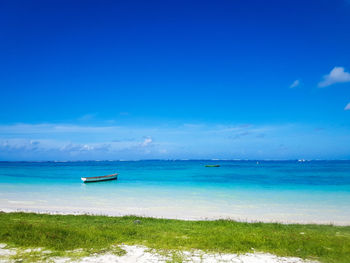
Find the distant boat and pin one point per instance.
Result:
(99, 178)
(212, 165)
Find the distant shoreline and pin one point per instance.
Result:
(177, 160)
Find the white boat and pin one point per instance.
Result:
(99, 178)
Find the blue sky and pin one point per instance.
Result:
(174, 79)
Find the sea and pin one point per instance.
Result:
(253, 191)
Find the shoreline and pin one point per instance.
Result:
(283, 193)
(106, 214)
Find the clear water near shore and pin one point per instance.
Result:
(284, 191)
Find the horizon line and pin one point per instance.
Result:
(138, 160)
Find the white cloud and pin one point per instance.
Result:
(206, 140)
(52, 141)
(347, 107)
(337, 75)
(295, 84)
(77, 147)
(56, 149)
(147, 141)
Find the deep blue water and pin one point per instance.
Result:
(283, 190)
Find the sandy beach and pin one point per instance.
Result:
(187, 211)
(141, 254)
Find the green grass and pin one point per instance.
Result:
(98, 234)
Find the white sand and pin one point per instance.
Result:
(6, 252)
(183, 216)
(140, 254)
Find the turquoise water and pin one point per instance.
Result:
(287, 191)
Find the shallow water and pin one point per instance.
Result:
(286, 191)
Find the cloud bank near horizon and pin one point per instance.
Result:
(187, 141)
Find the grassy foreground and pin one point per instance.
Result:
(62, 233)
